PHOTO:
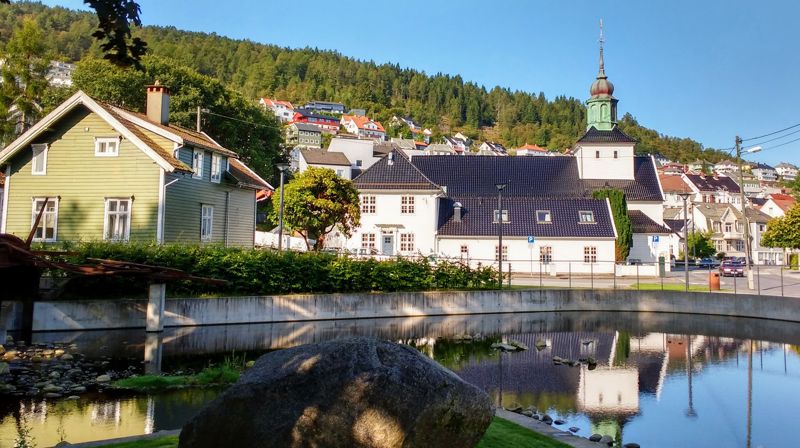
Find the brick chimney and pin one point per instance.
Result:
(158, 103)
(457, 212)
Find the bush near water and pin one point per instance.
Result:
(263, 272)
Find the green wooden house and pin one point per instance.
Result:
(105, 173)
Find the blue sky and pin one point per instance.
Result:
(708, 69)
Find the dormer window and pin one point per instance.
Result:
(39, 160)
(197, 164)
(216, 168)
(543, 217)
(497, 214)
(586, 216)
(106, 146)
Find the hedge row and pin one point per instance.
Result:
(263, 272)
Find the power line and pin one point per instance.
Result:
(781, 144)
(776, 138)
(771, 133)
(206, 111)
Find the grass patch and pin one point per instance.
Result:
(222, 375)
(161, 442)
(669, 287)
(505, 434)
(501, 434)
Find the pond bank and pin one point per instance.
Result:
(187, 312)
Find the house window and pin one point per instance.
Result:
(206, 222)
(586, 216)
(197, 164)
(464, 252)
(728, 227)
(118, 220)
(597, 154)
(406, 242)
(407, 205)
(358, 163)
(106, 146)
(39, 161)
(505, 253)
(739, 245)
(368, 204)
(762, 227)
(590, 254)
(543, 217)
(496, 216)
(717, 227)
(46, 231)
(216, 168)
(368, 242)
(615, 154)
(546, 254)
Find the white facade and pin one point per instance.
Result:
(283, 110)
(787, 171)
(765, 173)
(649, 247)
(345, 172)
(726, 167)
(605, 160)
(772, 209)
(359, 152)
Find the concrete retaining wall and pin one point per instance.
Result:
(106, 314)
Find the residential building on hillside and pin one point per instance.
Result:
(440, 149)
(318, 158)
(101, 172)
(327, 124)
(726, 223)
(786, 171)
(303, 135)
(726, 167)
(776, 205)
(532, 150)
(492, 149)
(357, 112)
(362, 154)
(60, 74)
(363, 127)
(700, 166)
(460, 146)
(283, 110)
(325, 107)
(713, 189)
(397, 121)
(673, 187)
(764, 172)
(404, 143)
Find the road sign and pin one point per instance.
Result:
(531, 239)
(655, 238)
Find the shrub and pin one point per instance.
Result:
(263, 272)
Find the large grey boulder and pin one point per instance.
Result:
(354, 392)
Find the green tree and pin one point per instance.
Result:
(619, 210)
(317, 201)
(784, 232)
(24, 79)
(700, 244)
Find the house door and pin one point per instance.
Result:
(387, 245)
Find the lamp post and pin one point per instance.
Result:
(748, 271)
(282, 167)
(685, 197)
(500, 188)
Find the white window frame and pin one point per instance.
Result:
(505, 216)
(546, 254)
(37, 149)
(464, 251)
(100, 141)
(216, 168)
(497, 252)
(35, 212)
(369, 204)
(589, 213)
(205, 214)
(368, 242)
(106, 216)
(407, 205)
(590, 254)
(198, 160)
(407, 243)
(548, 217)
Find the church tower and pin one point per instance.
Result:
(604, 151)
(602, 106)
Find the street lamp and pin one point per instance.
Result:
(685, 197)
(500, 188)
(754, 149)
(282, 167)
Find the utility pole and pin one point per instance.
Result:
(747, 270)
(198, 118)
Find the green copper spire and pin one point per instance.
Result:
(602, 106)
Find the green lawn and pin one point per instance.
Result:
(670, 287)
(501, 434)
(210, 376)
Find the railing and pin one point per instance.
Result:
(767, 279)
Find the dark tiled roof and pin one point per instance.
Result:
(644, 187)
(307, 127)
(758, 201)
(246, 177)
(319, 157)
(713, 183)
(642, 223)
(478, 213)
(593, 135)
(394, 172)
(676, 225)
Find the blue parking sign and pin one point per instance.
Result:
(655, 238)
(531, 239)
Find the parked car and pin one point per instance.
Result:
(708, 263)
(731, 268)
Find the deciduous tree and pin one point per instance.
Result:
(316, 202)
(784, 232)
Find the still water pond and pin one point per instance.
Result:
(661, 381)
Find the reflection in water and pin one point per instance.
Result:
(660, 380)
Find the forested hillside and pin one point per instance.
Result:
(443, 102)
